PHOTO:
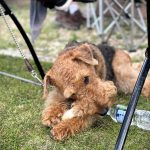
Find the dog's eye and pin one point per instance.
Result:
(86, 80)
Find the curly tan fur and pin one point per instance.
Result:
(80, 89)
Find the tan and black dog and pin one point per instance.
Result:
(85, 79)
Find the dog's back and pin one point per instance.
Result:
(108, 53)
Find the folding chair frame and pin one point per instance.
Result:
(117, 16)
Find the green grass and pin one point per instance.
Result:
(20, 119)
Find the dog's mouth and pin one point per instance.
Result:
(104, 111)
(70, 101)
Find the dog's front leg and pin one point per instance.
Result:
(67, 128)
(54, 109)
(80, 109)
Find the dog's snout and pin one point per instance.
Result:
(69, 92)
(104, 111)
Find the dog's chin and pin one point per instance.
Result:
(104, 111)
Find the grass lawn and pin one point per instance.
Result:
(20, 119)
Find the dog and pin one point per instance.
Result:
(85, 80)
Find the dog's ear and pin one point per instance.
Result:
(47, 81)
(84, 53)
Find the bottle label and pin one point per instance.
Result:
(120, 115)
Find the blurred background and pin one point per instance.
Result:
(126, 31)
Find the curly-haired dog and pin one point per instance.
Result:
(82, 90)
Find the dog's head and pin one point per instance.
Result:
(73, 73)
(72, 67)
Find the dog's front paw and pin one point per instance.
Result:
(50, 122)
(52, 115)
(61, 131)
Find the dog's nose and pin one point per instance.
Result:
(69, 93)
(104, 111)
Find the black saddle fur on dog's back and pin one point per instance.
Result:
(107, 51)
